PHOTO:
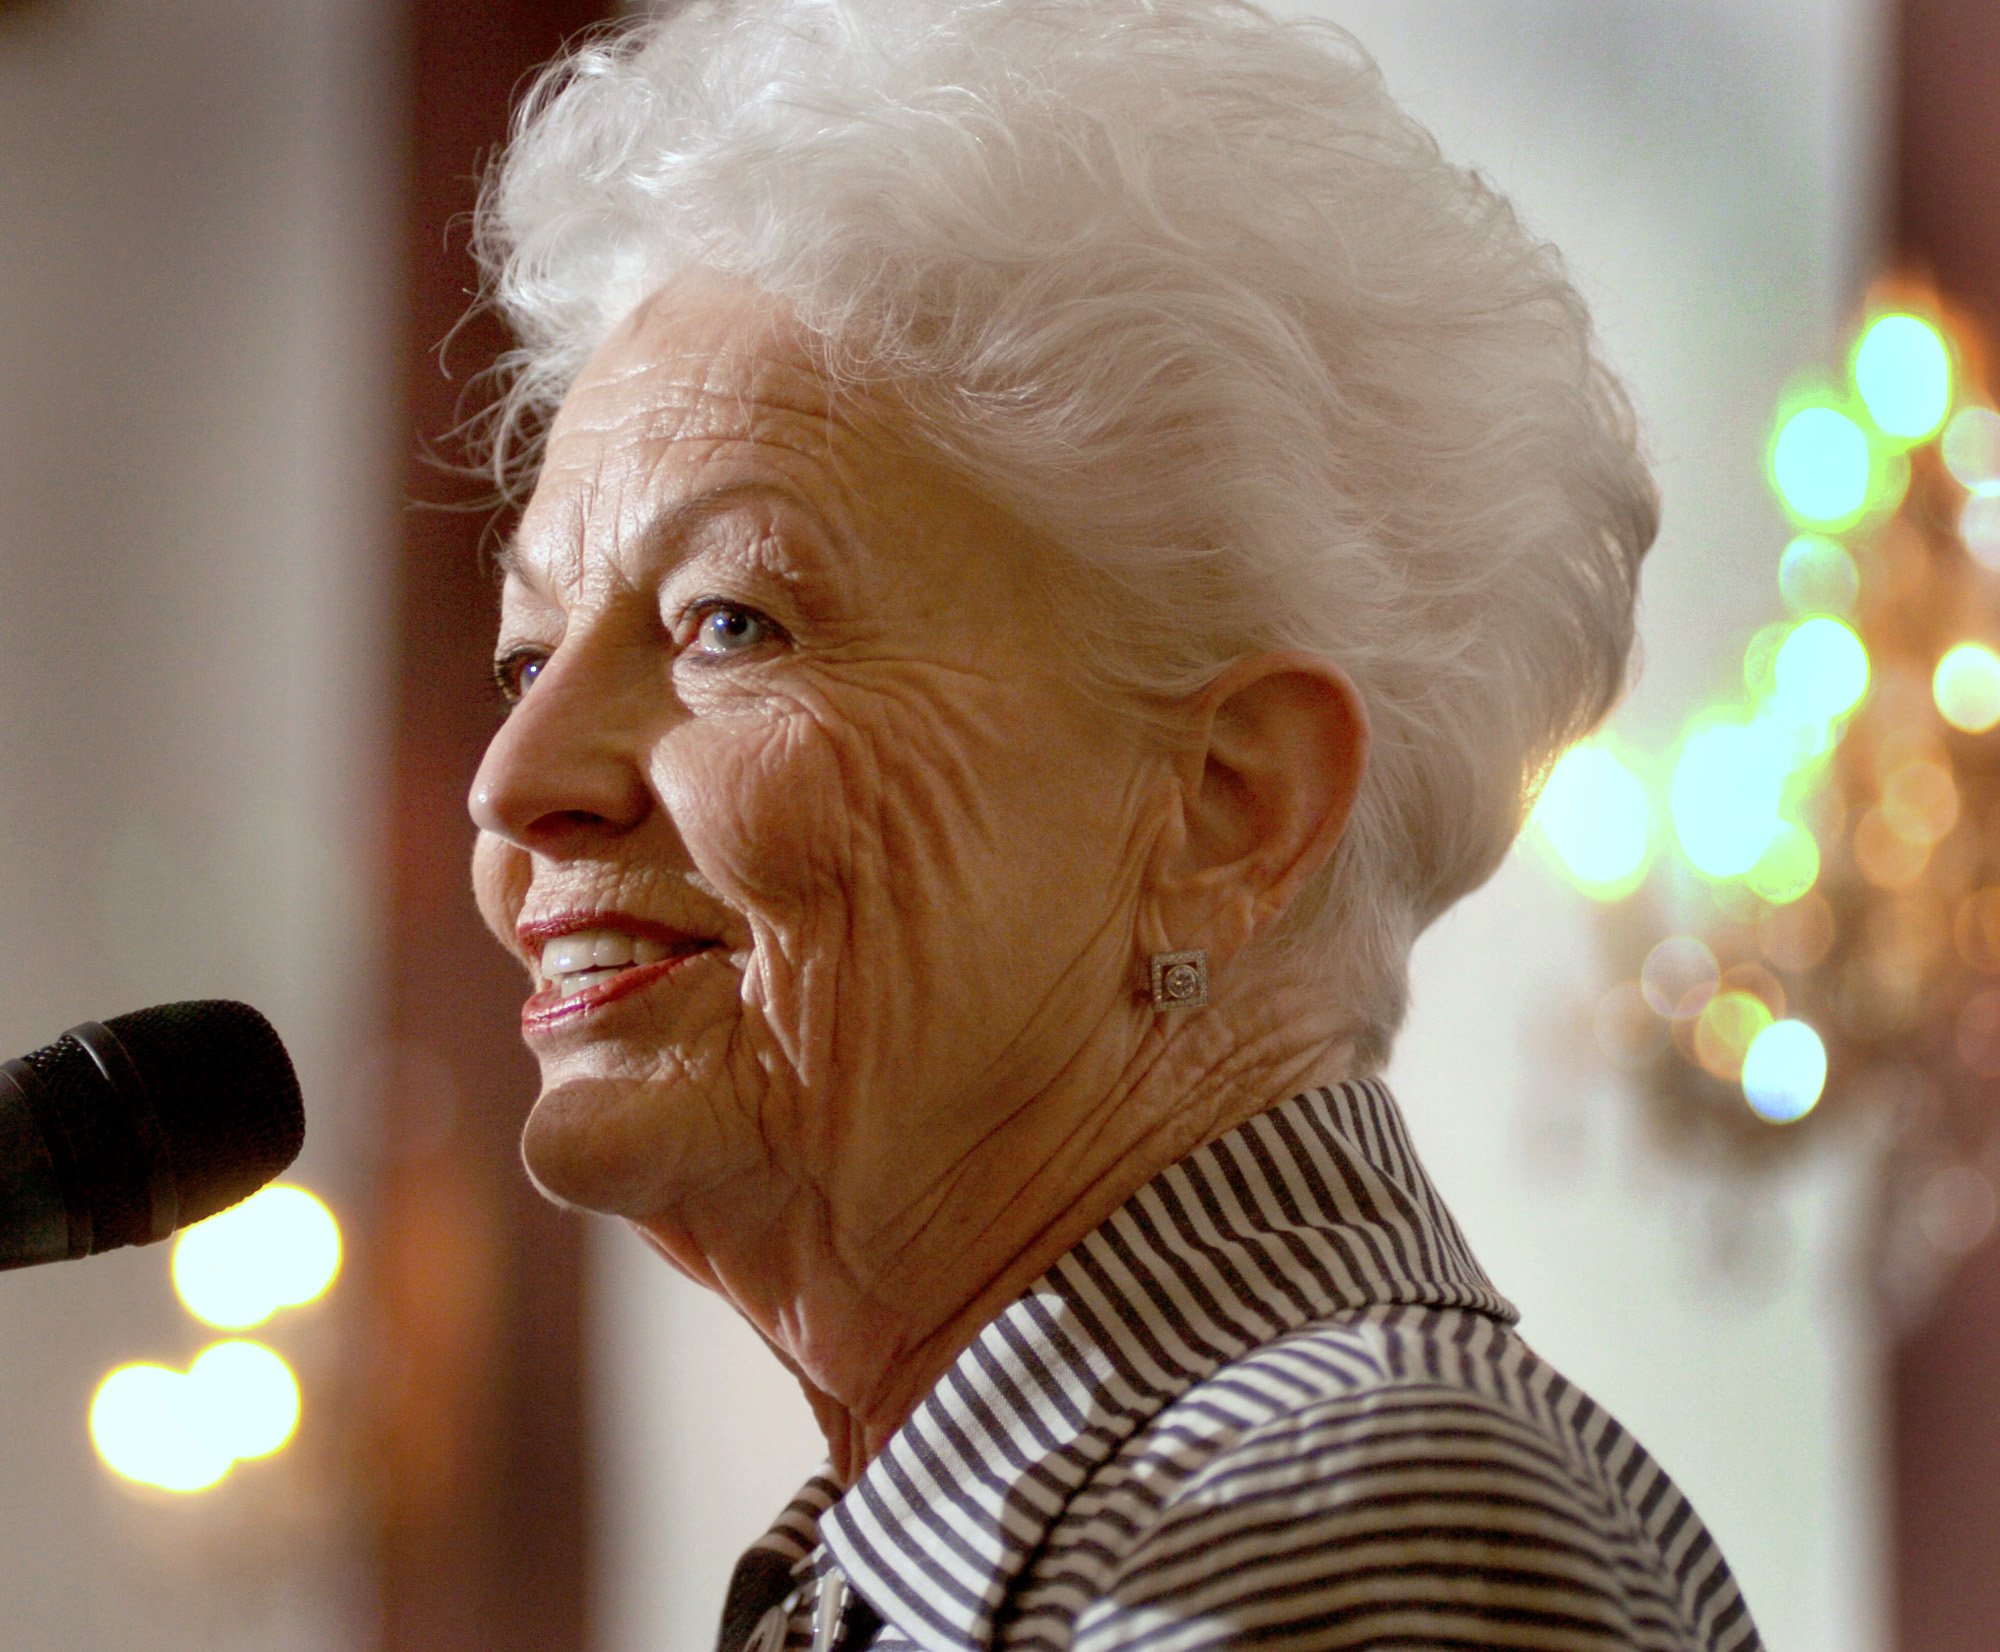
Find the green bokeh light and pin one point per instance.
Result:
(1966, 687)
(1788, 867)
(1903, 371)
(1822, 467)
(1820, 672)
(1724, 796)
(1595, 816)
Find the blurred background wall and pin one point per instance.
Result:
(196, 517)
(239, 704)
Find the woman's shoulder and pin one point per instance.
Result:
(1400, 1472)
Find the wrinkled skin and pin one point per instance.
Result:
(792, 689)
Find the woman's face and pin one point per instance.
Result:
(824, 865)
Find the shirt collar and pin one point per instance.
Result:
(1314, 1208)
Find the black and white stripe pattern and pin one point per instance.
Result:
(1272, 1402)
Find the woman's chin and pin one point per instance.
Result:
(605, 1145)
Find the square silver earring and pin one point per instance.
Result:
(1180, 980)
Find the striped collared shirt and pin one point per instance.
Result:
(1273, 1401)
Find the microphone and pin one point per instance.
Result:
(119, 1133)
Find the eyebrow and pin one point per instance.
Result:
(677, 520)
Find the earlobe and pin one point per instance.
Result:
(1281, 744)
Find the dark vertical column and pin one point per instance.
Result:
(1945, 1379)
(477, 1376)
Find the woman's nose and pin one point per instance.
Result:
(566, 766)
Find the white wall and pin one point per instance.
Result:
(1712, 172)
(196, 473)
(1710, 166)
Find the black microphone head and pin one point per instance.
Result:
(221, 1088)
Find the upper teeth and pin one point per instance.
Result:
(590, 949)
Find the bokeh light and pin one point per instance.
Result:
(1679, 976)
(1728, 1025)
(277, 1249)
(1784, 1071)
(1971, 449)
(1979, 529)
(145, 1429)
(1788, 867)
(1724, 796)
(1595, 815)
(1821, 466)
(1966, 687)
(1903, 371)
(1885, 857)
(1820, 671)
(182, 1431)
(1759, 983)
(1920, 802)
(245, 1397)
(1818, 576)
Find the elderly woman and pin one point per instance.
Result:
(1066, 535)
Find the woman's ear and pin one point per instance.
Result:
(1280, 743)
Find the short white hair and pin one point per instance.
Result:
(1183, 289)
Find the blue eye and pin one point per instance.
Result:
(726, 629)
(515, 671)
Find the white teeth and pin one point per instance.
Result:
(572, 962)
(585, 949)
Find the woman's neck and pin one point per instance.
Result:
(869, 1324)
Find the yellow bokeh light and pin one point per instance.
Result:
(278, 1248)
(1788, 867)
(1971, 449)
(1728, 1025)
(1724, 796)
(145, 1430)
(1902, 369)
(1784, 1072)
(245, 1396)
(1966, 687)
(182, 1430)
(1820, 671)
(1821, 466)
(1595, 816)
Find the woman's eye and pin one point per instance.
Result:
(515, 671)
(723, 628)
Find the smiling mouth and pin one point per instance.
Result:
(581, 970)
(585, 958)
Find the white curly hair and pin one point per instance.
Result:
(1181, 287)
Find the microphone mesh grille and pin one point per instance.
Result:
(225, 1093)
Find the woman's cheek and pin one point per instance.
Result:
(757, 808)
(500, 877)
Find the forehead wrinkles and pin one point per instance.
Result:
(647, 427)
